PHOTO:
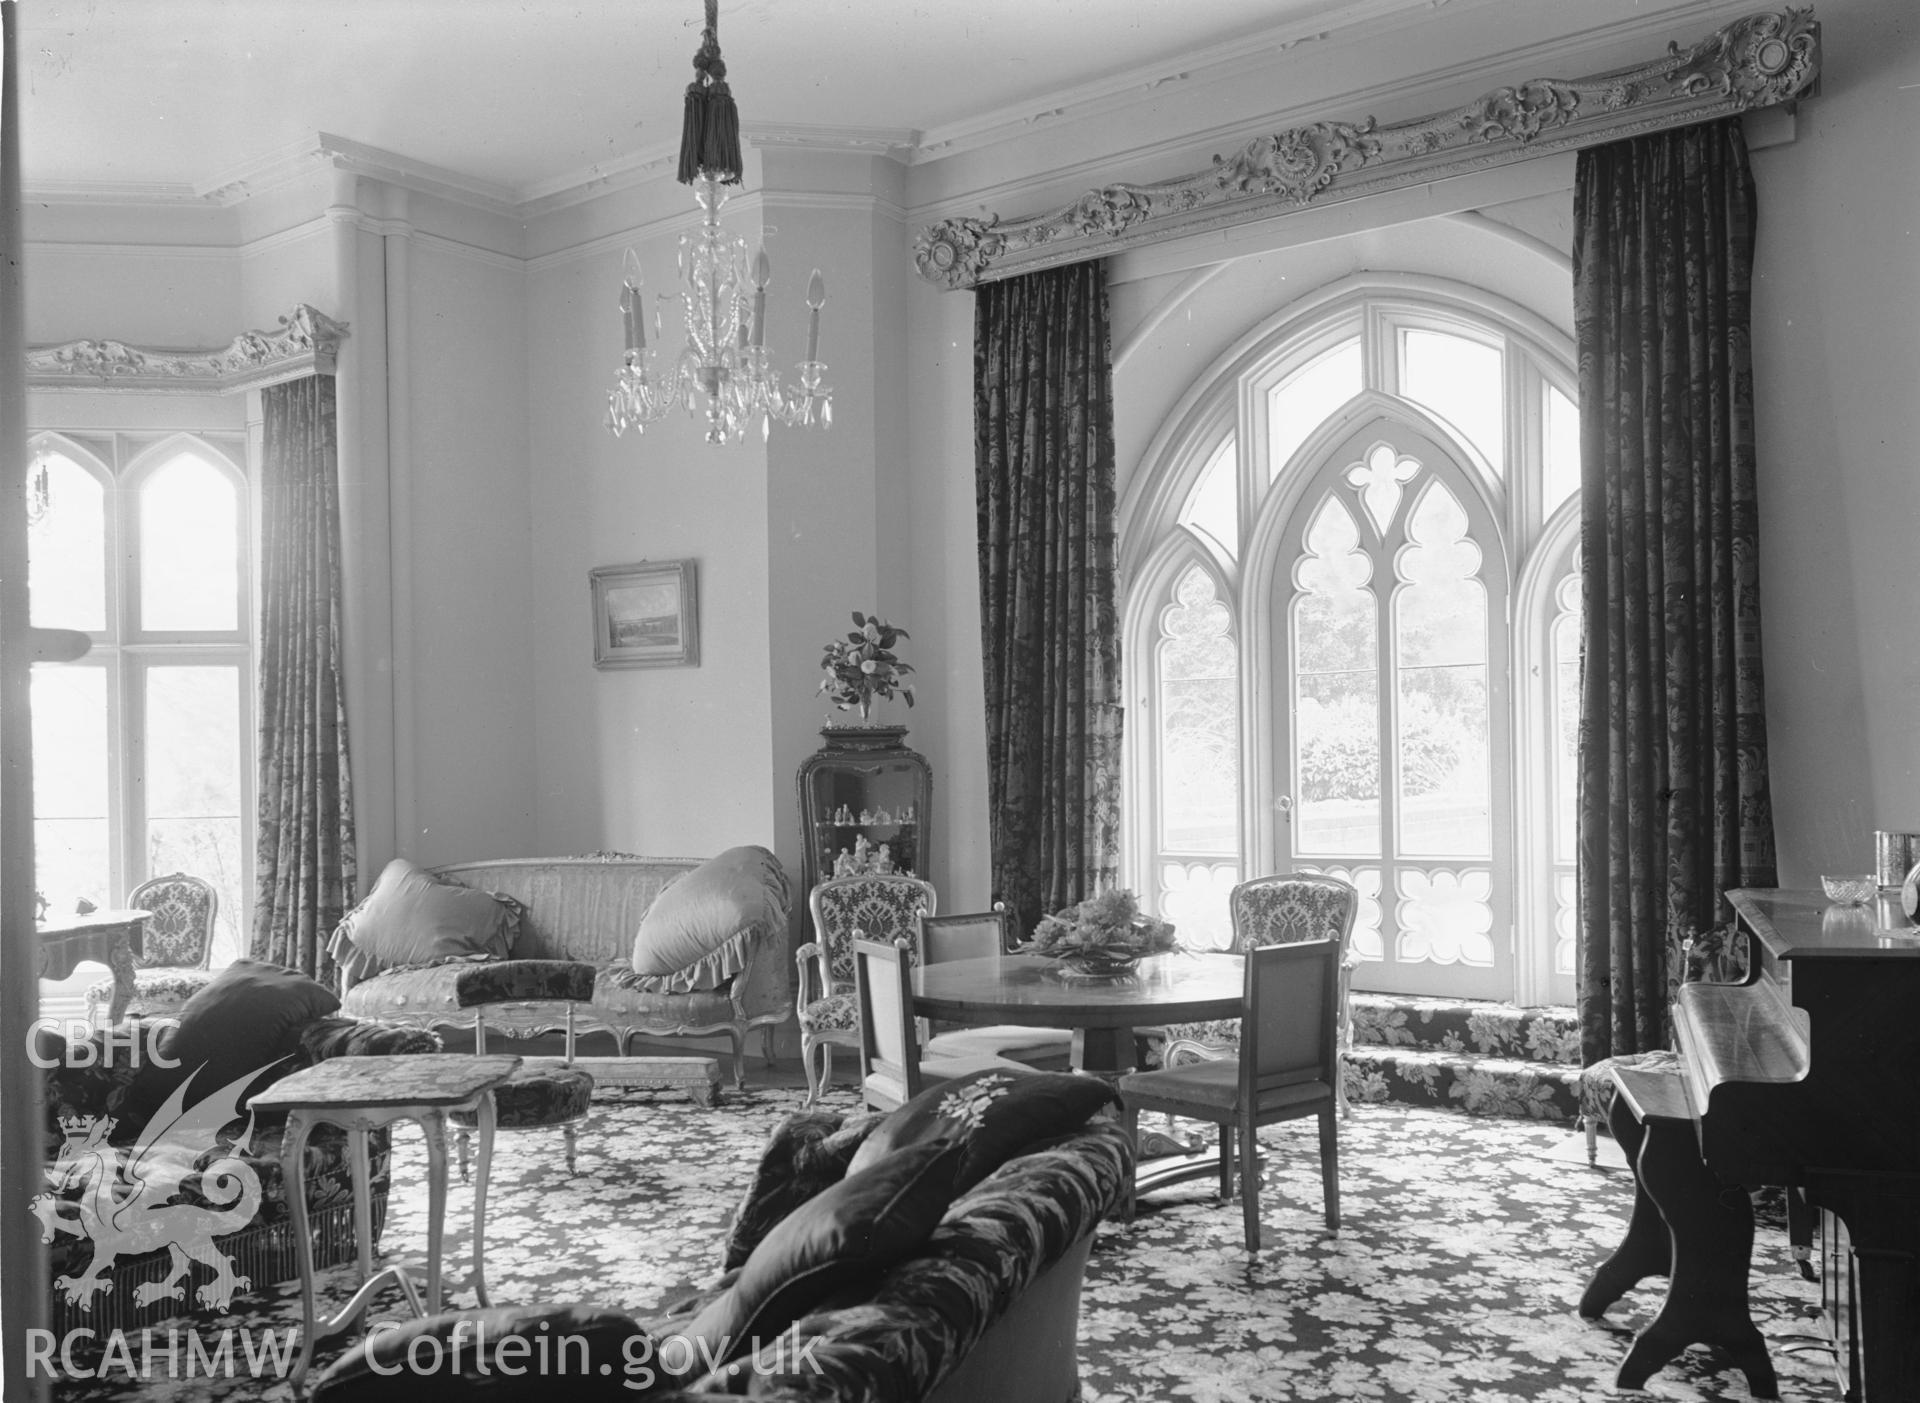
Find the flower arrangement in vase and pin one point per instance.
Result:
(863, 666)
(1104, 935)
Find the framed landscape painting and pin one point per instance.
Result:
(645, 615)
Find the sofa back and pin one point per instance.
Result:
(987, 1277)
(577, 908)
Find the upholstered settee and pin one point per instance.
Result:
(984, 1309)
(107, 1106)
(589, 910)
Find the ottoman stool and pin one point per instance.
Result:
(544, 1091)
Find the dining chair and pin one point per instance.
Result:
(1287, 1068)
(882, 906)
(176, 947)
(1279, 910)
(892, 1071)
(976, 935)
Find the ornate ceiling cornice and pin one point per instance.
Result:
(1754, 62)
(305, 343)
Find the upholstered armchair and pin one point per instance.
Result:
(175, 949)
(1278, 910)
(878, 907)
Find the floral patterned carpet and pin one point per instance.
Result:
(1464, 1247)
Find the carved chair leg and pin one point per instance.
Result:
(1226, 1162)
(567, 1131)
(464, 1138)
(739, 1041)
(826, 1065)
(807, 1065)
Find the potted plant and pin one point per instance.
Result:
(863, 666)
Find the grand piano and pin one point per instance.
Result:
(1807, 1075)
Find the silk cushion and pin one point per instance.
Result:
(412, 918)
(698, 931)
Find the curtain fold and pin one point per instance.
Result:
(305, 869)
(1674, 806)
(1044, 481)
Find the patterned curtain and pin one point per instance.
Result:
(1043, 469)
(1674, 804)
(305, 871)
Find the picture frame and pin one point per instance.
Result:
(646, 614)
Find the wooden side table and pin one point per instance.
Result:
(111, 937)
(363, 1094)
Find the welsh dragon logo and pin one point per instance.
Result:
(118, 1196)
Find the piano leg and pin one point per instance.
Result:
(1645, 1250)
(1710, 1227)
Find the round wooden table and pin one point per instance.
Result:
(1024, 989)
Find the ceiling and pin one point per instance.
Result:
(525, 94)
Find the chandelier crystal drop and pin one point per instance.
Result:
(723, 368)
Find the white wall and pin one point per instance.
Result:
(1836, 343)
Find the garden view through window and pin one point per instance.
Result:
(142, 748)
(1361, 641)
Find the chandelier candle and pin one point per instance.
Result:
(724, 366)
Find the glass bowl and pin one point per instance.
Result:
(1851, 890)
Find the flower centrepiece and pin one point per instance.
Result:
(863, 666)
(1103, 935)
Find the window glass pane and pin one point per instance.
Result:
(1566, 712)
(67, 549)
(1301, 402)
(189, 548)
(1193, 895)
(1440, 636)
(1461, 381)
(1336, 701)
(1563, 450)
(1446, 918)
(1199, 722)
(1214, 506)
(70, 792)
(193, 779)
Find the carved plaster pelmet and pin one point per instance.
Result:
(306, 342)
(1757, 61)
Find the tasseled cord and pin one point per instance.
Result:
(710, 135)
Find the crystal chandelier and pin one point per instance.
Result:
(724, 367)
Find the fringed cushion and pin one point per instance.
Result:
(699, 931)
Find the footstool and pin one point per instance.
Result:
(543, 1091)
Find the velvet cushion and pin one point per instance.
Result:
(853, 1230)
(506, 1352)
(699, 930)
(995, 1115)
(412, 918)
(808, 1151)
(249, 1019)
